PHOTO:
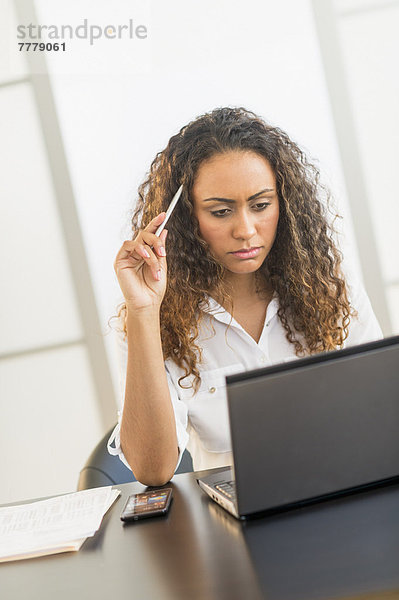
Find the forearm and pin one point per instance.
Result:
(148, 430)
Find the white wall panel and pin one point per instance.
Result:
(37, 303)
(370, 44)
(12, 61)
(346, 7)
(49, 422)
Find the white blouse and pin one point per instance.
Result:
(202, 424)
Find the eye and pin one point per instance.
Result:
(223, 212)
(220, 213)
(262, 205)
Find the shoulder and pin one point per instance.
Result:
(364, 326)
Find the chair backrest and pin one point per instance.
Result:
(102, 468)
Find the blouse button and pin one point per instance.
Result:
(212, 390)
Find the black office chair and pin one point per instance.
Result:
(102, 468)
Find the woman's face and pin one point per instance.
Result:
(236, 204)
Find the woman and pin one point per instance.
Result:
(250, 276)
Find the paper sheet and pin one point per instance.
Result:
(57, 523)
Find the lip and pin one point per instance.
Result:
(249, 253)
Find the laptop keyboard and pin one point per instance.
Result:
(228, 489)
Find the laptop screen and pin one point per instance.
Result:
(315, 426)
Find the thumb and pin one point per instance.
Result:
(163, 236)
(163, 259)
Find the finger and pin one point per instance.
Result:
(151, 260)
(142, 251)
(162, 238)
(163, 235)
(154, 242)
(133, 249)
(155, 223)
(126, 250)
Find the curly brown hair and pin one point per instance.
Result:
(303, 266)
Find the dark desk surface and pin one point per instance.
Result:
(346, 548)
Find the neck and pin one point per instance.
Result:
(248, 287)
(243, 286)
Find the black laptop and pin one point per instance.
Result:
(311, 428)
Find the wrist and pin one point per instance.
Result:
(142, 313)
(143, 324)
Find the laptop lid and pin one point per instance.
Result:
(315, 426)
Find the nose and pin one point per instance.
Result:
(243, 226)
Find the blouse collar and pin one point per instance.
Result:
(221, 314)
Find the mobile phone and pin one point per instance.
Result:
(153, 503)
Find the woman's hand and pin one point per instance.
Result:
(142, 271)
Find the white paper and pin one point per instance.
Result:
(53, 523)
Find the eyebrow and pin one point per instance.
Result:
(265, 191)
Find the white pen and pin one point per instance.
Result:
(169, 211)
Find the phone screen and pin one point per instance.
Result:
(147, 504)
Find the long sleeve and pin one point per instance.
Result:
(364, 327)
